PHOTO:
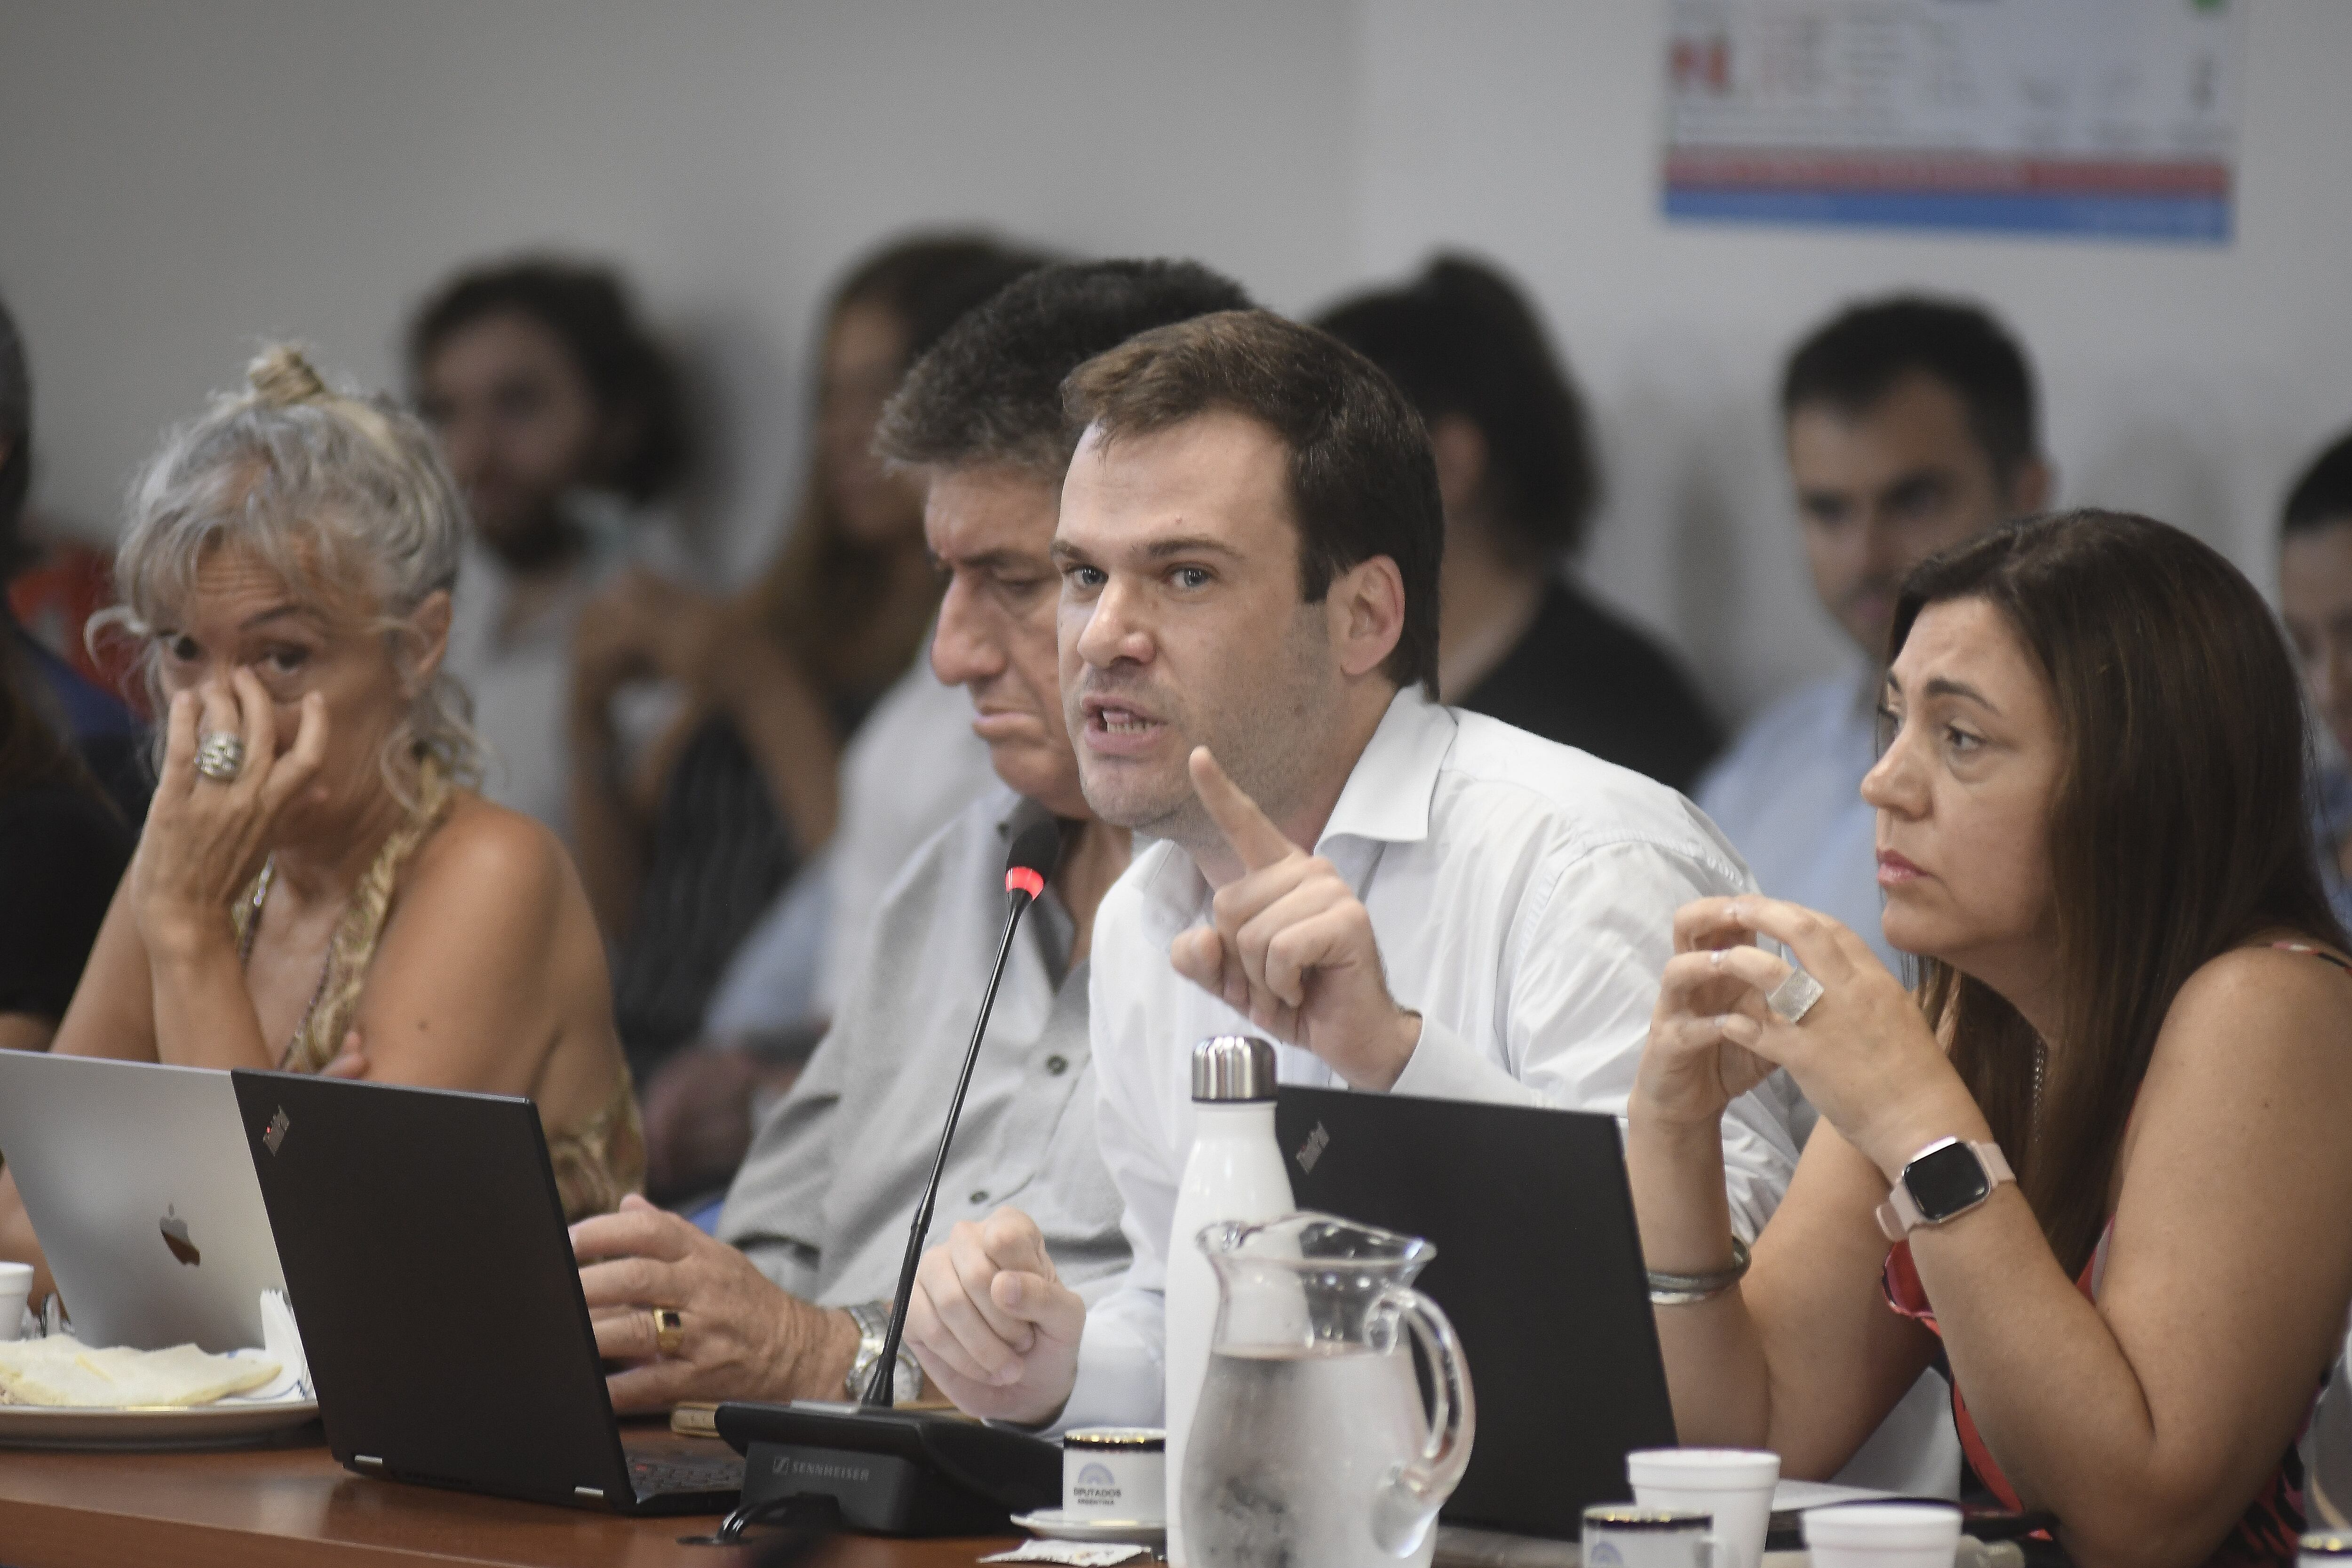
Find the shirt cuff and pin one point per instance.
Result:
(1443, 1066)
(1118, 1378)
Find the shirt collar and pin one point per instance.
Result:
(1388, 795)
(1386, 800)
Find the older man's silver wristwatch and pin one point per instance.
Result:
(873, 1321)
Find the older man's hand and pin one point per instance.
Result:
(743, 1336)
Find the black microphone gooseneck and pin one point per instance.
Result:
(1037, 846)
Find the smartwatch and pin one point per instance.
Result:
(1942, 1181)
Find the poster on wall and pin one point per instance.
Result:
(2095, 117)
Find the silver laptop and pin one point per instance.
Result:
(137, 1181)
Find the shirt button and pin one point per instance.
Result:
(980, 1197)
(1057, 1065)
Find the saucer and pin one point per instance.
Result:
(1063, 1526)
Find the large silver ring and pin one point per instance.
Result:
(220, 756)
(1794, 997)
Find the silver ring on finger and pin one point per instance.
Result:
(1794, 997)
(220, 755)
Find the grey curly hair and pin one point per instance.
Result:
(328, 488)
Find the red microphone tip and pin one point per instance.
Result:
(1022, 879)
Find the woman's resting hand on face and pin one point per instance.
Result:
(206, 838)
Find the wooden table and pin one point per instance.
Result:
(261, 1508)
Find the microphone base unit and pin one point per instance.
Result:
(893, 1473)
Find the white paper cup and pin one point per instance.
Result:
(1116, 1472)
(15, 1289)
(1733, 1484)
(1882, 1535)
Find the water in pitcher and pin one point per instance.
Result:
(1292, 1447)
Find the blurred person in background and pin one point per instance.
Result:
(104, 734)
(2315, 601)
(791, 1298)
(63, 845)
(317, 888)
(561, 420)
(1518, 637)
(1911, 426)
(684, 846)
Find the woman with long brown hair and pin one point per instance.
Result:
(2096, 1161)
(685, 846)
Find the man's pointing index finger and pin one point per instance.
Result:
(1246, 828)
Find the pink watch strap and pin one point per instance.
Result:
(1899, 1215)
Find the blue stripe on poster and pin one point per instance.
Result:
(2194, 218)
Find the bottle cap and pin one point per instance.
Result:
(1233, 1068)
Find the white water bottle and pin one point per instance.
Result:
(1235, 1172)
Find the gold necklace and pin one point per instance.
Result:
(261, 886)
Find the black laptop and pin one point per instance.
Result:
(427, 1258)
(1537, 1265)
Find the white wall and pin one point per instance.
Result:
(176, 181)
(2183, 381)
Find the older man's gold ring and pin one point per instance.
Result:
(1794, 997)
(669, 1329)
(220, 756)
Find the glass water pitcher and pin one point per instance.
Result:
(1310, 1445)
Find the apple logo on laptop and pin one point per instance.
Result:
(175, 1236)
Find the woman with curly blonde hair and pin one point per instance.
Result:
(319, 887)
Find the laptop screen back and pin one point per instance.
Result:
(1537, 1265)
(136, 1180)
(430, 1267)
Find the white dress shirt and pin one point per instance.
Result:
(1523, 895)
(1789, 797)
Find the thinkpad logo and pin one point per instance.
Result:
(275, 1134)
(1312, 1150)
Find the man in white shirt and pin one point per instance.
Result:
(1910, 427)
(1249, 541)
(791, 1300)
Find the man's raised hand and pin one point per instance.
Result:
(1291, 946)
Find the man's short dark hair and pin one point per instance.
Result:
(587, 310)
(990, 392)
(2322, 497)
(1361, 480)
(1856, 359)
(1460, 340)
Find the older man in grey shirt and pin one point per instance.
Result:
(790, 1303)
(822, 1203)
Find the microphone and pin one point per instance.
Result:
(1037, 846)
(871, 1466)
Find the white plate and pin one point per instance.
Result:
(1060, 1526)
(222, 1424)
